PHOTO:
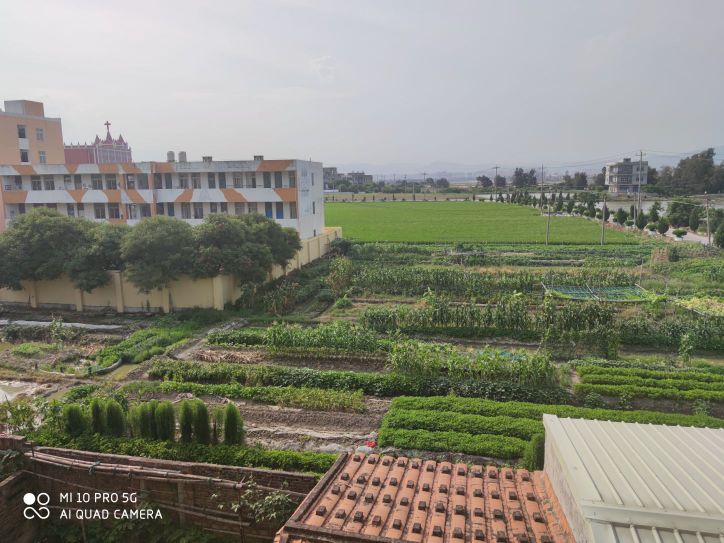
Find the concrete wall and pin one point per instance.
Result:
(121, 296)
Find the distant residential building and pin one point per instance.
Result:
(359, 178)
(288, 191)
(626, 176)
(27, 136)
(331, 176)
(102, 151)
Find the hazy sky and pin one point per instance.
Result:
(375, 81)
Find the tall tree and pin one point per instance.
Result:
(89, 266)
(157, 251)
(38, 245)
(484, 181)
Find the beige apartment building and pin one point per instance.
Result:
(27, 136)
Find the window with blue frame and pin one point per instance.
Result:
(268, 210)
(280, 210)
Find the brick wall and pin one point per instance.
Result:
(13, 525)
(187, 493)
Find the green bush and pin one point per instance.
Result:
(165, 421)
(232, 455)
(74, 420)
(202, 432)
(373, 384)
(481, 444)
(489, 408)
(441, 421)
(143, 344)
(115, 419)
(655, 392)
(186, 421)
(33, 349)
(534, 456)
(233, 425)
(302, 397)
(97, 410)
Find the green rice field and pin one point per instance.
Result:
(488, 222)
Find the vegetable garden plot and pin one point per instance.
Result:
(603, 294)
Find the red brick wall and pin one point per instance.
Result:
(13, 526)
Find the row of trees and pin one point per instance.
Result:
(156, 421)
(43, 245)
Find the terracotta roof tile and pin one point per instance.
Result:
(382, 498)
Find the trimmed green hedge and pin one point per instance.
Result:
(306, 398)
(481, 445)
(491, 408)
(374, 384)
(688, 374)
(654, 392)
(442, 421)
(680, 384)
(232, 455)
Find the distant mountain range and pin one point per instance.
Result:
(455, 171)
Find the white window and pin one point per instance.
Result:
(70, 210)
(41, 157)
(97, 182)
(130, 181)
(292, 210)
(185, 211)
(238, 208)
(39, 134)
(196, 180)
(183, 180)
(223, 207)
(35, 183)
(132, 211)
(111, 183)
(213, 208)
(99, 210)
(237, 180)
(114, 211)
(252, 207)
(24, 157)
(48, 182)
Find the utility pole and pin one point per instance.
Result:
(541, 189)
(496, 176)
(641, 168)
(548, 225)
(603, 220)
(708, 228)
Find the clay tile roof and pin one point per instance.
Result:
(368, 498)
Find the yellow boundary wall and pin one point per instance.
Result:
(121, 296)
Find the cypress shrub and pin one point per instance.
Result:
(233, 425)
(115, 419)
(74, 420)
(185, 417)
(144, 421)
(535, 453)
(134, 421)
(217, 424)
(201, 423)
(165, 421)
(152, 405)
(97, 421)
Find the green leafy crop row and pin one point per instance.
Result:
(285, 396)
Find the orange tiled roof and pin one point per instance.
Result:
(372, 498)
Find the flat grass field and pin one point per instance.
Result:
(488, 222)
